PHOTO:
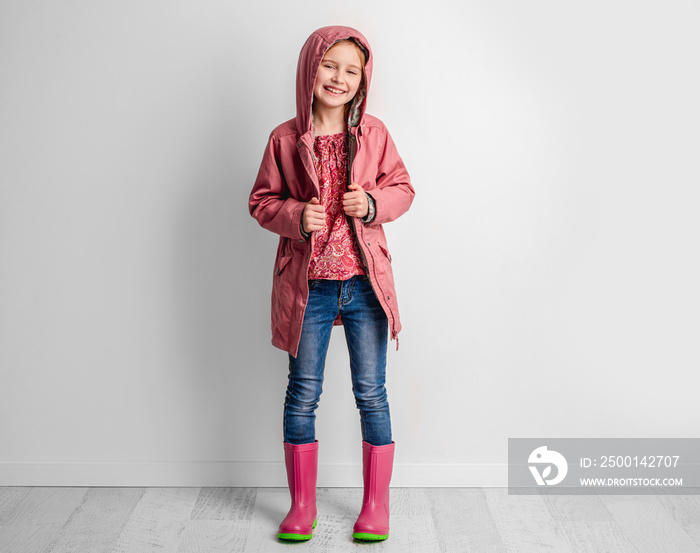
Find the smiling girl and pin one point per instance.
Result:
(329, 178)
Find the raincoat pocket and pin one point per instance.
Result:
(385, 250)
(282, 264)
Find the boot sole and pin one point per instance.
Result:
(369, 537)
(296, 537)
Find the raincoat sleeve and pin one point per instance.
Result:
(393, 194)
(269, 201)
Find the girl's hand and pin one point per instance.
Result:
(314, 216)
(355, 202)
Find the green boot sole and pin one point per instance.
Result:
(371, 537)
(295, 537)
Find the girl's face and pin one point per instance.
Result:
(339, 75)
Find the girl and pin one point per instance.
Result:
(329, 179)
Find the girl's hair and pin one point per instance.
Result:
(360, 49)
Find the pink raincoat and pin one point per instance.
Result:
(287, 180)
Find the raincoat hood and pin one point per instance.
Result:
(310, 58)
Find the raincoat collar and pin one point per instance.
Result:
(310, 58)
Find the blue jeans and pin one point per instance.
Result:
(366, 333)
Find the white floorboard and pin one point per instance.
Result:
(424, 520)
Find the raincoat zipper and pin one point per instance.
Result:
(352, 142)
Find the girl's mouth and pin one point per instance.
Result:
(334, 91)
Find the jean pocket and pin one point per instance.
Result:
(313, 282)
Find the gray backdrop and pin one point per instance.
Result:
(546, 274)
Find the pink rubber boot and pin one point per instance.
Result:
(377, 464)
(302, 464)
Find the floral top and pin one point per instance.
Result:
(335, 255)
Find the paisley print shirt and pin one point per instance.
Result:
(335, 255)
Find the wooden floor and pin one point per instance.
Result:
(424, 520)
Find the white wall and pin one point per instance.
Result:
(546, 274)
